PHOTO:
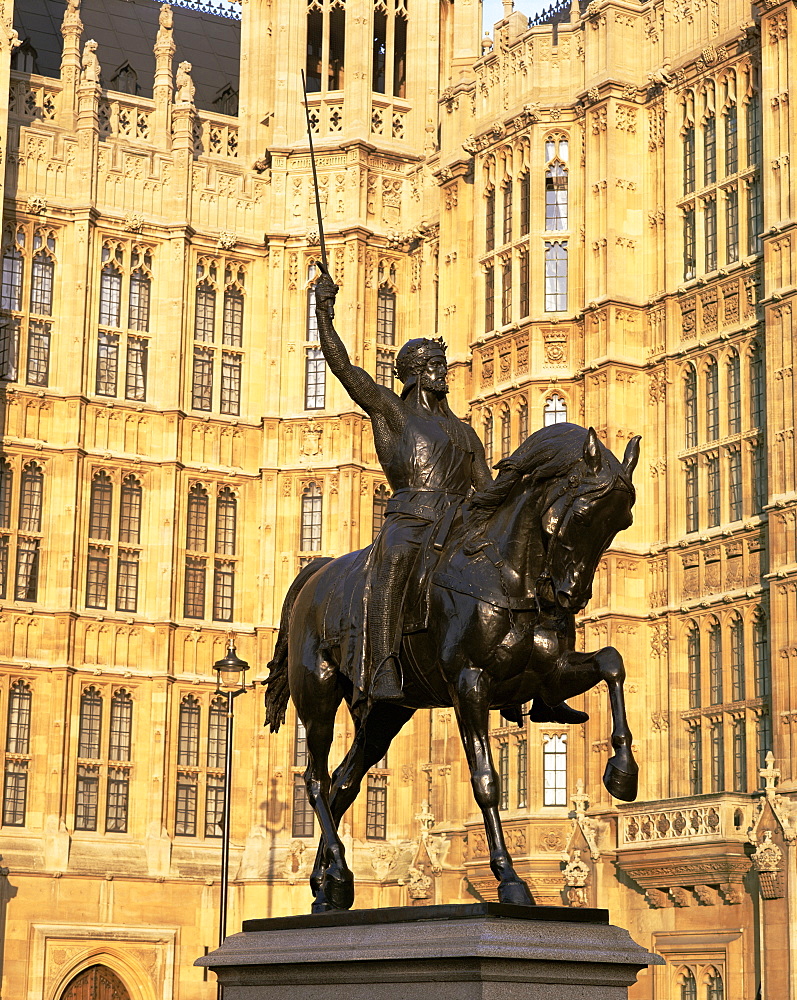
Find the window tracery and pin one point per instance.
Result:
(217, 372)
(17, 761)
(125, 276)
(728, 212)
(26, 333)
(114, 549)
(102, 786)
(211, 538)
(21, 539)
(199, 786)
(315, 367)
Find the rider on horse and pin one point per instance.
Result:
(432, 461)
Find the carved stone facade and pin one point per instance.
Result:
(526, 197)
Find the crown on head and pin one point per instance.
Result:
(415, 353)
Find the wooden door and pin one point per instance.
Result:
(96, 983)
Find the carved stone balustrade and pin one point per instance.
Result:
(697, 846)
(699, 818)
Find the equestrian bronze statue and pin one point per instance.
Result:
(467, 598)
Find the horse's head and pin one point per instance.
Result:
(563, 477)
(581, 515)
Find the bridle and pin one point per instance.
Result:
(571, 488)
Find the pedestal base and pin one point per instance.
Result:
(479, 951)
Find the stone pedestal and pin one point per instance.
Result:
(478, 951)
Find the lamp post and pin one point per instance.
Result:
(230, 681)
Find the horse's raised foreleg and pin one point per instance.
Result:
(621, 776)
(577, 673)
(472, 707)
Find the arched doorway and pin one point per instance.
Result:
(96, 983)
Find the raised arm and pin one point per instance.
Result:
(357, 382)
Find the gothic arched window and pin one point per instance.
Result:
(690, 407)
(554, 411)
(312, 506)
(381, 496)
(488, 437)
(125, 80)
(693, 663)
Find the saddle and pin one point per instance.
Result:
(415, 617)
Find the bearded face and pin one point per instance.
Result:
(434, 375)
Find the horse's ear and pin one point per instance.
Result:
(592, 452)
(631, 456)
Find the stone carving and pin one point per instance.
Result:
(551, 840)
(784, 809)
(555, 341)
(626, 118)
(36, 204)
(71, 17)
(576, 875)
(680, 896)
(311, 440)
(732, 894)
(383, 858)
(90, 64)
(660, 721)
(418, 883)
(296, 865)
(706, 896)
(134, 223)
(164, 40)
(185, 85)
(768, 862)
(589, 827)
(657, 387)
(227, 241)
(9, 39)
(164, 47)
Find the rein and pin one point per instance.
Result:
(571, 486)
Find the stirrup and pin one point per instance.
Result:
(561, 713)
(386, 685)
(512, 713)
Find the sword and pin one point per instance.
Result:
(323, 262)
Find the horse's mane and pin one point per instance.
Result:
(548, 455)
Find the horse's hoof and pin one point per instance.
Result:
(515, 892)
(320, 906)
(339, 889)
(621, 784)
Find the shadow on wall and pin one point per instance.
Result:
(7, 892)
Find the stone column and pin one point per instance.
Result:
(259, 56)
(88, 120)
(71, 29)
(466, 41)
(9, 40)
(777, 308)
(163, 88)
(183, 118)
(359, 34)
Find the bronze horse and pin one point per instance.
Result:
(512, 574)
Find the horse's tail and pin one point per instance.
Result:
(277, 690)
